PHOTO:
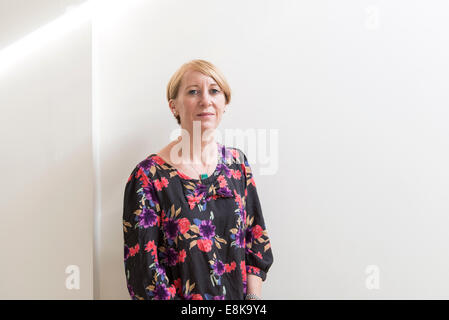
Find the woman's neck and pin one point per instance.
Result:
(194, 151)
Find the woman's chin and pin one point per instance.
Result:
(208, 125)
(208, 128)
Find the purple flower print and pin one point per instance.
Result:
(225, 154)
(171, 228)
(149, 194)
(147, 164)
(172, 257)
(223, 167)
(210, 297)
(219, 268)
(240, 238)
(224, 192)
(161, 292)
(147, 218)
(187, 297)
(200, 188)
(207, 229)
(160, 270)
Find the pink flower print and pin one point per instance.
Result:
(236, 174)
(194, 200)
(222, 181)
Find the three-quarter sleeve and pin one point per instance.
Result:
(258, 254)
(146, 277)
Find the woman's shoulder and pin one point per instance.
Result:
(151, 167)
(154, 166)
(233, 155)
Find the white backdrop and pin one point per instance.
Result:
(357, 92)
(47, 177)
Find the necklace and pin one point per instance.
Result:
(204, 175)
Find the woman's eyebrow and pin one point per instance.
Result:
(195, 85)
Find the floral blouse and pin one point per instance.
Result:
(193, 239)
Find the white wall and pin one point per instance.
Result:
(46, 171)
(358, 92)
(356, 89)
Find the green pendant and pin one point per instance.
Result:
(203, 176)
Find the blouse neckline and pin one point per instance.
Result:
(207, 180)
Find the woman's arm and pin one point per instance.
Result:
(254, 285)
(258, 255)
(145, 275)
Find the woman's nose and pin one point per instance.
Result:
(205, 98)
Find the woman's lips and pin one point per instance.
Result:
(206, 115)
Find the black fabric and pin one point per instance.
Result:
(187, 238)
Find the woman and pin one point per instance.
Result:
(193, 225)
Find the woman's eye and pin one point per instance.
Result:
(213, 91)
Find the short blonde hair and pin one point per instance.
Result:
(206, 68)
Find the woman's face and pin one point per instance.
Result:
(199, 95)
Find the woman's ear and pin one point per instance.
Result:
(171, 105)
